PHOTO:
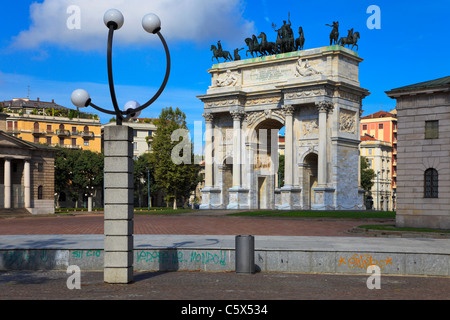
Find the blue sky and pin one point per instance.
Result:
(37, 49)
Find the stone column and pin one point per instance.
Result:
(237, 116)
(27, 183)
(323, 107)
(238, 196)
(322, 193)
(7, 183)
(289, 146)
(118, 212)
(209, 167)
(290, 195)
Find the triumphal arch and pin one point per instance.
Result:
(313, 95)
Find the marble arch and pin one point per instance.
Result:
(320, 114)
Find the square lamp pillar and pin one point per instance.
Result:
(118, 216)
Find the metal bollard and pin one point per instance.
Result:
(245, 254)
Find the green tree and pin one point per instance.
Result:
(280, 170)
(78, 171)
(367, 174)
(143, 175)
(177, 180)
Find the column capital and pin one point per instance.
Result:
(209, 117)
(324, 106)
(288, 110)
(237, 114)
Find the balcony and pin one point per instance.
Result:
(67, 146)
(63, 132)
(12, 130)
(87, 134)
(39, 132)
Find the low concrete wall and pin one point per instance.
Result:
(219, 260)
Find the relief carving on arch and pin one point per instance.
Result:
(310, 127)
(347, 121)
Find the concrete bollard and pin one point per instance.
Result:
(245, 254)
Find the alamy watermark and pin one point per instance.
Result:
(73, 22)
(374, 21)
(74, 280)
(258, 147)
(374, 281)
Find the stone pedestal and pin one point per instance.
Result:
(118, 224)
(290, 198)
(323, 199)
(238, 198)
(211, 198)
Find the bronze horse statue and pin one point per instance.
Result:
(349, 41)
(334, 34)
(253, 46)
(220, 54)
(300, 41)
(265, 46)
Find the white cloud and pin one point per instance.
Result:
(186, 20)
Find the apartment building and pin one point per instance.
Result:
(382, 126)
(379, 156)
(52, 124)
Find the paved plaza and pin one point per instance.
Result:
(187, 230)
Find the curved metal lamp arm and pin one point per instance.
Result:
(166, 77)
(100, 109)
(110, 75)
(120, 114)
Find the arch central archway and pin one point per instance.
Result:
(310, 168)
(265, 148)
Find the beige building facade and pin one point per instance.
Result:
(423, 161)
(379, 156)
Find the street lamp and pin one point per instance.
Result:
(118, 168)
(378, 194)
(114, 20)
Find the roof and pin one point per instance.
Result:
(366, 137)
(380, 114)
(437, 83)
(27, 103)
(28, 144)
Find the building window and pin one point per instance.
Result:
(49, 140)
(86, 142)
(432, 129)
(40, 167)
(40, 192)
(431, 183)
(364, 126)
(134, 133)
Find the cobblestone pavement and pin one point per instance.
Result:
(182, 285)
(188, 224)
(209, 287)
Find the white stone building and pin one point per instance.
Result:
(315, 95)
(143, 131)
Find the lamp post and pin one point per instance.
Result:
(118, 168)
(378, 195)
(148, 188)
